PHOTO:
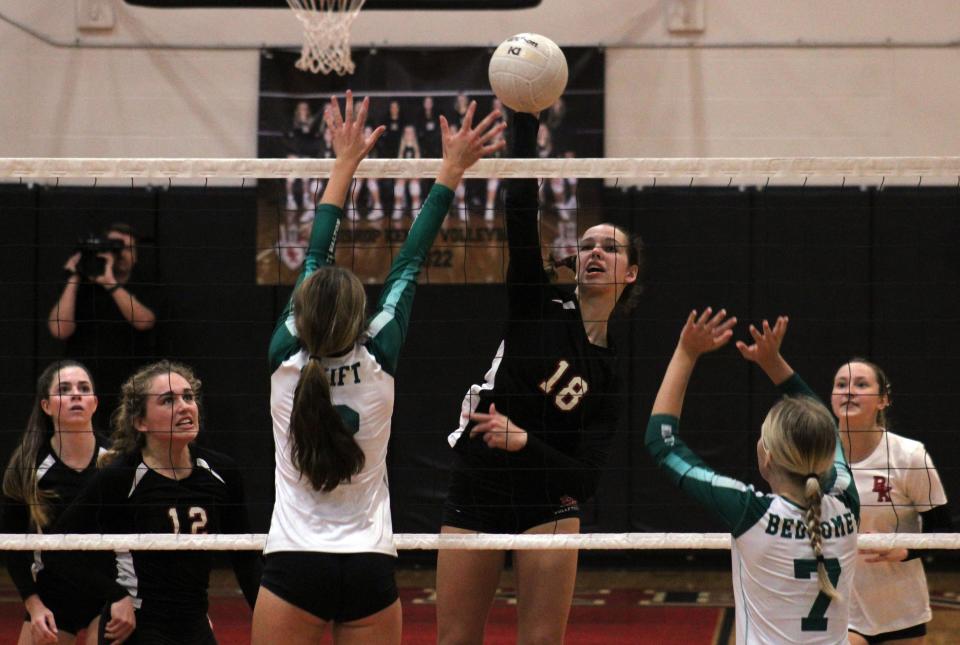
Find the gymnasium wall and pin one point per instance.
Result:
(883, 84)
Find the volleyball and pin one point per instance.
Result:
(528, 72)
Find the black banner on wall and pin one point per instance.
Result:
(409, 90)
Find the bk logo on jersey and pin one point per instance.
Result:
(880, 487)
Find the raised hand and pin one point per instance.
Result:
(349, 144)
(705, 332)
(765, 350)
(464, 147)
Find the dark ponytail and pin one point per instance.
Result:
(329, 308)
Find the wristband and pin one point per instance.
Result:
(113, 288)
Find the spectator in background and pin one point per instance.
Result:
(375, 211)
(301, 141)
(428, 130)
(388, 146)
(409, 149)
(106, 314)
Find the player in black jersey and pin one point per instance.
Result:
(533, 438)
(155, 480)
(55, 459)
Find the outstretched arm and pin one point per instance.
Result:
(728, 498)
(351, 147)
(765, 352)
(462, 149)
(701, 334)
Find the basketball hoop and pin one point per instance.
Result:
(326, 34)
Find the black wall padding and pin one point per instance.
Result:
(858, 272)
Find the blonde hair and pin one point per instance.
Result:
(329, 308)
(800, 435)
(134, 393)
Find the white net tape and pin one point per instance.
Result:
(929, 170)
(326, 34)
(431, 541)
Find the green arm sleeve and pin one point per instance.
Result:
(320, 252)
(388, 327)
(839, 480)
(735, 503)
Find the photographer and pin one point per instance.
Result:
(104, 314)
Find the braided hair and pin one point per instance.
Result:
(801, 437)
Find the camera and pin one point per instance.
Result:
(91, 265)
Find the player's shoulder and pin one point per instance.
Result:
(119, 468)
(904, 446)
(213, 458)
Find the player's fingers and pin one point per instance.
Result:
(334, 112)
(488, 121)
(705, 316)
(468, 117)
(361, 117)
(755, 333)
(373, 138)
(444, 126)
(717, 319)
(493, 147)
(482, 422)
(782, 323)
(722, 339)
(492, 132)
(725, 326)
(348, 107)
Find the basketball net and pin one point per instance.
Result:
(326, 34)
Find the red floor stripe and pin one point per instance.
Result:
(617, 620)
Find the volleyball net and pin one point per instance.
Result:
(859, 252)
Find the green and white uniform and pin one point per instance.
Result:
(355, 516)
(777, 597)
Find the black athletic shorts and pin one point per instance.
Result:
(164, 628)
(910, 632)
(72, 608)
(494, 501)
(339, 587)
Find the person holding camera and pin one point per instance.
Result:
(104, 315)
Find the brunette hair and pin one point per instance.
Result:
(329, 308)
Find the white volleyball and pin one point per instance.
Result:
(528, 72)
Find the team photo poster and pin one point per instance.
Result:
(409, 90)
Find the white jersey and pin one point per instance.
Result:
(896, 482)
(355, 516)
(776, 591)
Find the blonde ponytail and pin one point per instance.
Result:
(814, 495)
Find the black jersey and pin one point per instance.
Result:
(129, 497)
(428, 131)
(547, 376)
(65, 483)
